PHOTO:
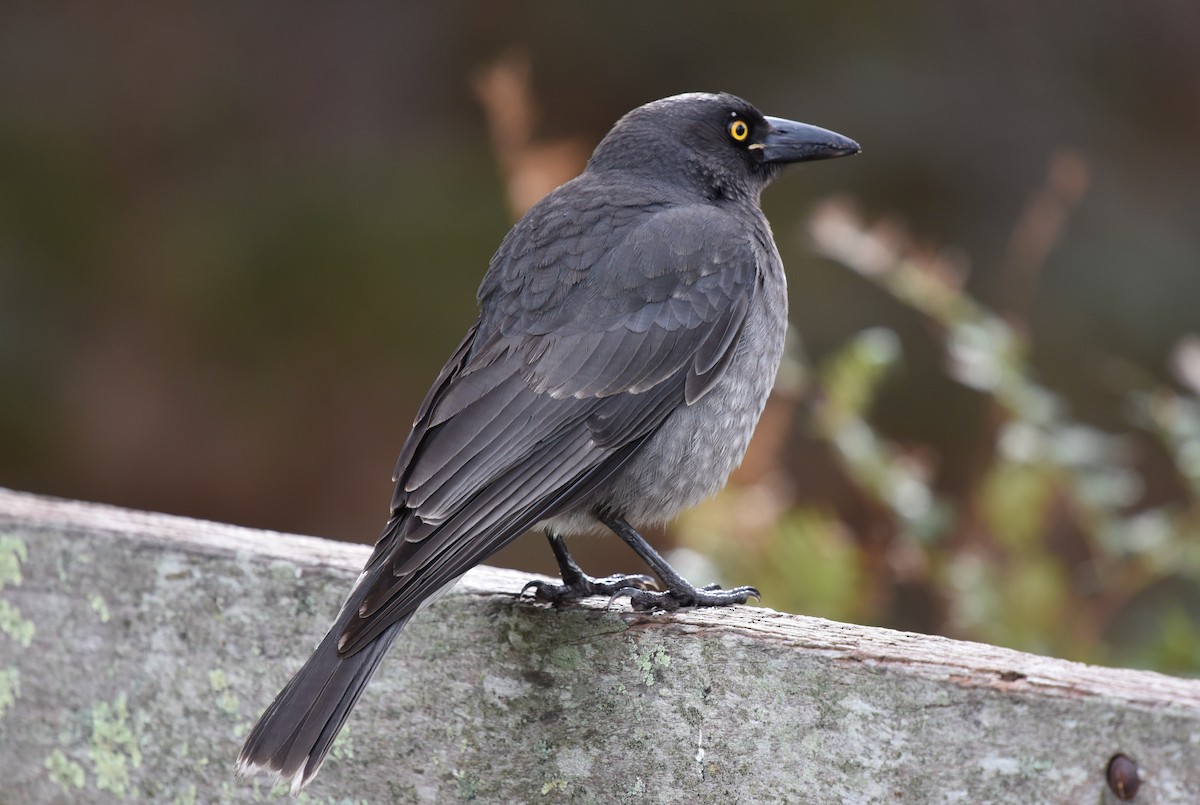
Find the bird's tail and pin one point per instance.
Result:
(295, 733)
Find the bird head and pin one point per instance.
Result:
(718, 144)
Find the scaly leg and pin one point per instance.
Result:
(679, 592)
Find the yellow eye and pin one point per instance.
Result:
(738, 130)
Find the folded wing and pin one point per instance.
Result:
(554, 389)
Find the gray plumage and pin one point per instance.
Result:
(630, 328)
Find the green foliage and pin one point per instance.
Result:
(808, 560)
(1052, 542)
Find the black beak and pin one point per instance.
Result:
(789, 141)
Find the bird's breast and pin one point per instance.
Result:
(694, 451)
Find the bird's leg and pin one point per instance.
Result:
(577, 584)
(679, 592)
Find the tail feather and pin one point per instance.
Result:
(296, 732)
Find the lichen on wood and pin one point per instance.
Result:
(138, 649)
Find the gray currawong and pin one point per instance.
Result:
(630, 328)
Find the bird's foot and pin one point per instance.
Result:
(581, 586)
(710, 595)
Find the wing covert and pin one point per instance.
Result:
(552, 391)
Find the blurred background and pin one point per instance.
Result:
(237, 242)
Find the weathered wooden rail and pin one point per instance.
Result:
(136, 649)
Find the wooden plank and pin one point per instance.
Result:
(136, 649)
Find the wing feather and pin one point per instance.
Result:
(577, 359)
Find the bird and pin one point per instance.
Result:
(630, 327)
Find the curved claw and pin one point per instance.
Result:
(542, 591)
(744, 592)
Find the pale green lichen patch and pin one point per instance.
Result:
(227, 703)
(10, 688)
(12, 554)
(15, 625)
(466, 785)
(99, 606)
(284, 571)
(64, 772)
(1030, 767)
(564, 657)
(114, 747)
(650, 662)
(554, 787)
